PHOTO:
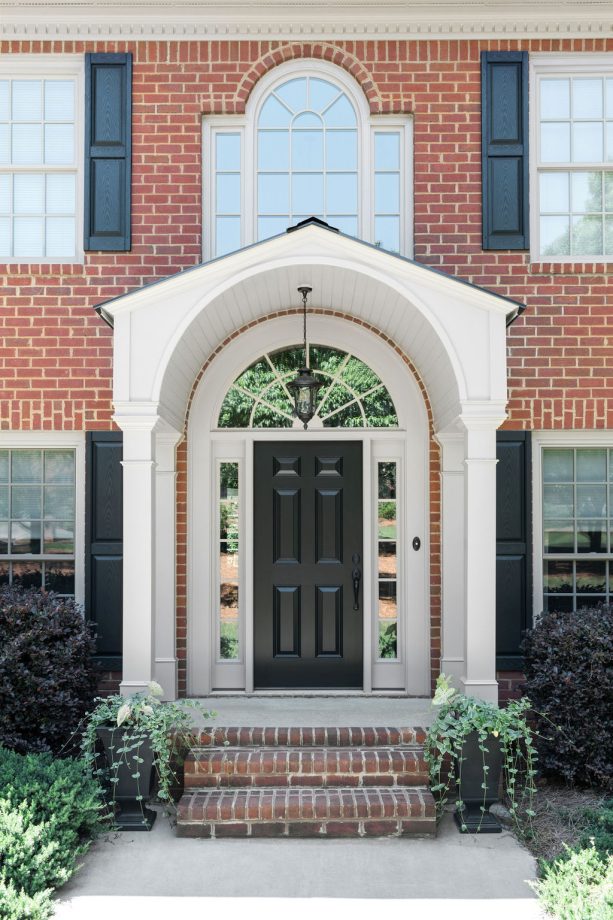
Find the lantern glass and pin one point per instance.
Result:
(304, 390)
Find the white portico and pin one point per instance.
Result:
(452, 332)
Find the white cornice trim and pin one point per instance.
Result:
(183, 20)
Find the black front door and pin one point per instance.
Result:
(308, 565)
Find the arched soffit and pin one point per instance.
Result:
(350, 287)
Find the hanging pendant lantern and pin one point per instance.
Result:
(305, 386)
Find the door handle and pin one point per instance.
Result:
(356, 576)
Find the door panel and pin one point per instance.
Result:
(308, 528)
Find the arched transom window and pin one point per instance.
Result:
(353, 396)
(307, 149)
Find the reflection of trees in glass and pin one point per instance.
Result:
(388, 640)
(352, 396)
(583, 234)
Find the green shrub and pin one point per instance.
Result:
(599, 828)
(17, 905)
(569, 678)
(578, 886)
(49, 812)
(47, 678)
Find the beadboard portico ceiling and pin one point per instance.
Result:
(454, 332)
(306, 19)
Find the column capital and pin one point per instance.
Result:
(486, 415)
(136, 416)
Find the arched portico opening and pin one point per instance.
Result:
(453, 332)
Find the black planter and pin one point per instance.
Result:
(472, 820)
(130, 812)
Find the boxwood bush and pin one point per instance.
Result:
(50, 810)
(569, 678)
(47, 678)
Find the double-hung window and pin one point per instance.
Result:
(307, 146)
(40, 157)
(572, 150)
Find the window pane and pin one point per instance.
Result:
(387, 599)
(342, 193)
(27, 146)
(26, 466)
(59, 577)
(586, 191)
(228, 193)
(608, 191)
(555, 142)
(59, 144)
(388, 639)
(555, 236)
(307, 150)
(591, 537)
(609, 142)
(558, 465)
(228, 151)
(591, 577)
(307, 193)
(27, 574)
(558, 577)
(4, 100)
(59, 537)
(59, 100)
(294, 94)
(387, 233)
(554, 194)
(274, 115)
(608, 236)
(341, 150)
(591, 501)
(321, 94)
(59, 466)
(29, 236)
(558, 501)
(59, 503)
(587, 98)
(587, 236)
(609, 98)
(4, 541)
(340, 114)
(271, 226)
(61, 194)
(387, 150)
(307, 120)
(273, 150)
(25, 503)
(60, 239)
(228, 639)
(559, 603)
(591, 465)
(387, 479)
(4, 466)
(5, 236)
(4, 502)
(558, 537)
(25, 537)
(555, 98)
(227, 235)
(387, 520)
(388, 565)
(273, 194)
(348, 225)
(587, 142)
(27, 100)
(29, 193)
(387, 193)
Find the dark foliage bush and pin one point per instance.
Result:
(569, 671)
(50, 810)
(47, 678)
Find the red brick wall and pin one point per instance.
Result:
(56, 354)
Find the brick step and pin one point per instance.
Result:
(321, 767)
(238, 736)
(368, 812)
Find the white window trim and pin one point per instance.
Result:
(48, 440)
(53, 66)
(246, 125)
(565, 65)
(540, 440)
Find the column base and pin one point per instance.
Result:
(482, 689)
(129, 687)
(165, 670)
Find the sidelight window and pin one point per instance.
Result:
(387, 558)
(229, 536)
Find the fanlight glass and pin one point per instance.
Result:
(352, 396)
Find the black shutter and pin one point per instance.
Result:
(513, 546)
(504, 149)
(108, 151)
(103, 544)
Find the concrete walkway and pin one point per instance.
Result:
(151, 875)
(284, 710)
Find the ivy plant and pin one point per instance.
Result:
(457, 718)
(138, 720)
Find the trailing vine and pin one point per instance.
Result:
(458, 717)
(136, 721)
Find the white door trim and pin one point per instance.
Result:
(206, 445)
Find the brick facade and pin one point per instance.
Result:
(56, 353)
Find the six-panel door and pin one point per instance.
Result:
(308, 565)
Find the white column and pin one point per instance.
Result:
(138, 549)
(479, 677)
(453, 535)
(165, 669)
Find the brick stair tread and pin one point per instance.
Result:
(318, 736)
(315, 766)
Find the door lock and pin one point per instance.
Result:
(416, 543)
(356, 576)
